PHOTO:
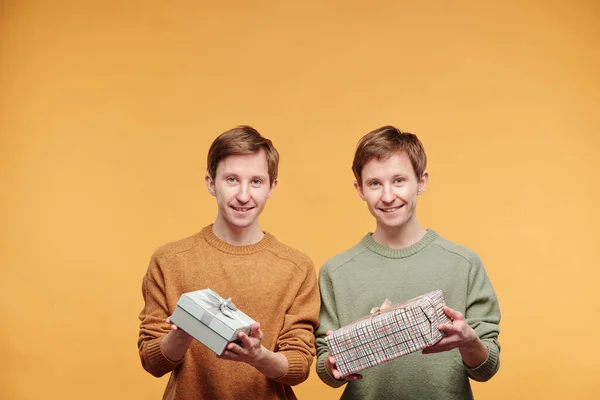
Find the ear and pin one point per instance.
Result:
(423, 182)
(359, 190)
(273, 186)
(210, 184)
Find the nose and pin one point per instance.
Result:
(243, 194)
(387, 195)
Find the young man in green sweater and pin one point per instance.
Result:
(399, 261)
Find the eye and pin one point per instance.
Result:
(374, 184)
(256, 182)
(399, 180)
(231, 179)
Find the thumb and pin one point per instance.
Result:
(453, 314)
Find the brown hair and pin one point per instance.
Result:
(242, 140)
(382, 143)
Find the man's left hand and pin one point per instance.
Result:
(251, 349)
(459, 335)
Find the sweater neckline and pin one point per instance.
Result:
(375, 247)
(267, 241)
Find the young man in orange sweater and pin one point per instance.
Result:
(271, 282)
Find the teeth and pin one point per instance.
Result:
(389, 210)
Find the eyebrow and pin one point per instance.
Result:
(372, 179)
(228, 174)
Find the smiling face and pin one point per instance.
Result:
(241, 187)
(390, 188)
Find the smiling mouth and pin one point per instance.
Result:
(391, 209)
(242, 209)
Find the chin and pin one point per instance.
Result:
(242, 223)
(392, 224)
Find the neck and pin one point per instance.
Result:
(399, 238)
(237, 236)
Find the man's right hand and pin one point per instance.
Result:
(175, 344)
(333, 371)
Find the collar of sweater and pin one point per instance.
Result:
(267, 241)
(375, 247)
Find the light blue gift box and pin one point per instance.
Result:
(210, 319)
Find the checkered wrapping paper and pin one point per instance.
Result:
(401, 329)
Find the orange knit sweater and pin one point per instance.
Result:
(271, 282)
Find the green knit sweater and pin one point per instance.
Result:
(355, 281)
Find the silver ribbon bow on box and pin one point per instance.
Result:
(226, 306)
(213, 303)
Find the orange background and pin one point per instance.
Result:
(107, 109)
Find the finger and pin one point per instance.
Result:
(173, 326)
(448, 329)
(446, 342)
(229, 355)
(353, 377)
(235, 348)
(430, 349)
(255, 331)
(334, 372)
(443, 345)
(328, 333)
(433, 350)
(247, 342)
(453, 314)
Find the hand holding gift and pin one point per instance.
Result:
(251, 351)
(176, 343)
(458, 334)
(333, 371)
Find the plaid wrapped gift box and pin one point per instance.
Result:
(388, 333)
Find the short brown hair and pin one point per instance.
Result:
(382, 143)
(242, 140)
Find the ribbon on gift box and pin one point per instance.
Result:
(225, 305)
(218, 304)
(387, 305)
(428, 312)
(383, 307)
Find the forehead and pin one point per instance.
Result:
(254, 164)
(396, 164)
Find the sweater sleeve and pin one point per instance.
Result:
(153, 327)
(296, 339)
(483, 315)
(328, 321)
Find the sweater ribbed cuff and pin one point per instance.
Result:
(298, 369)
(156, 362)
(488, 368)
(324, 373)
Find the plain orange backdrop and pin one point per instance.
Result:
(107, 109)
